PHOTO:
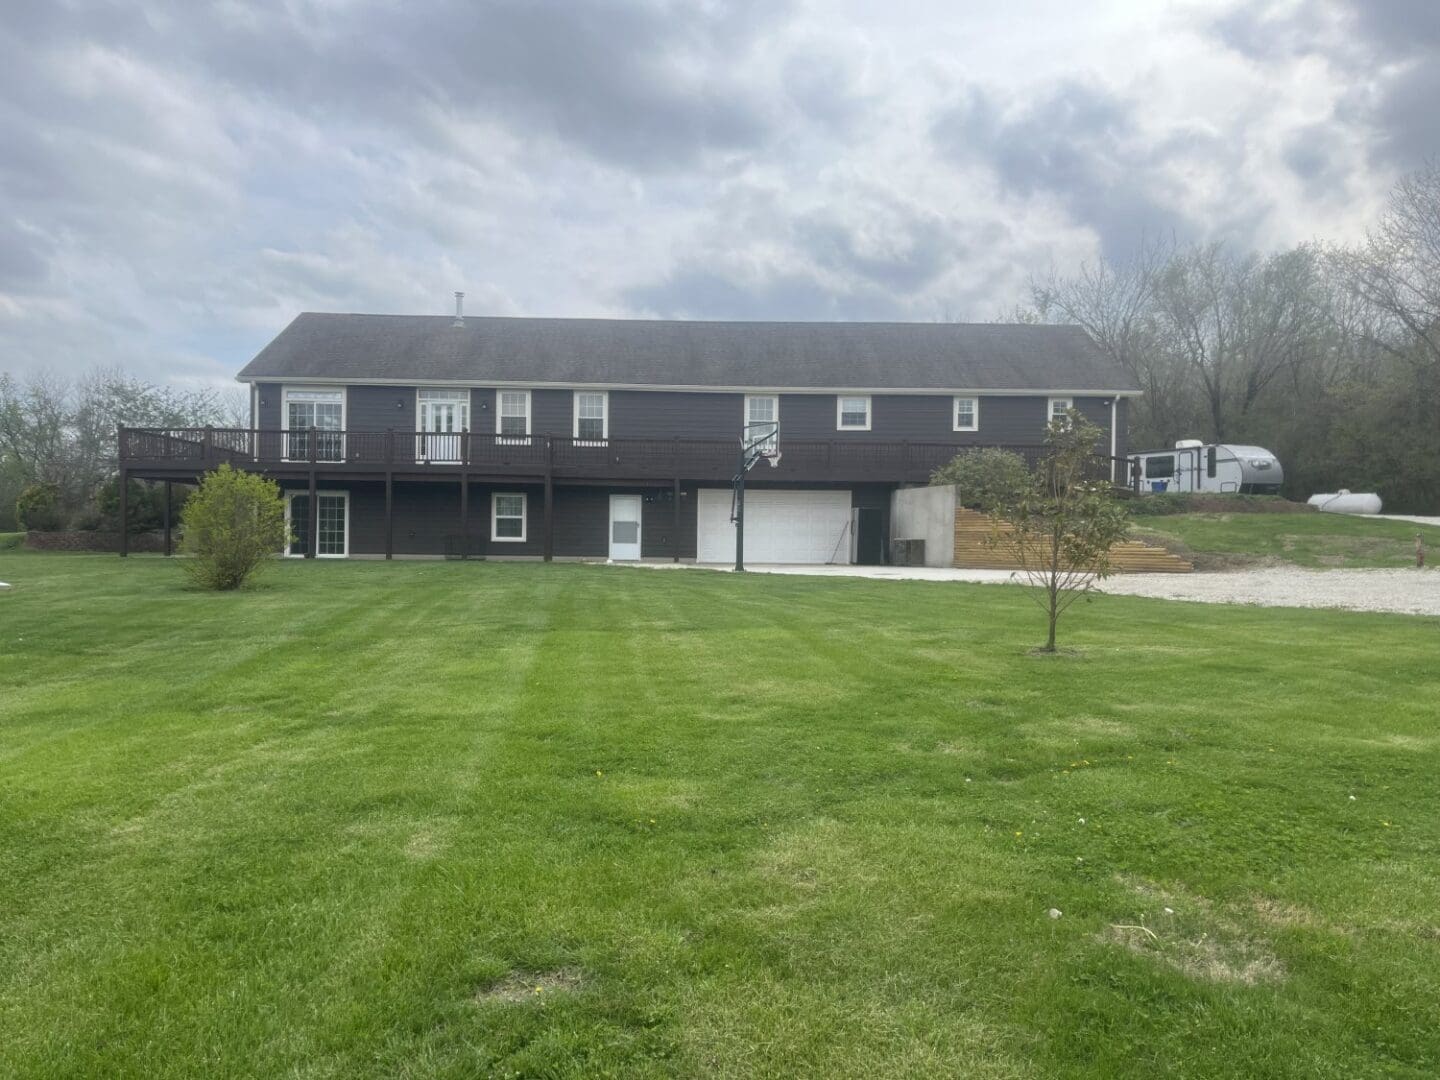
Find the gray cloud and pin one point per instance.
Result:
(179, 177)
(1386, 51)
(1080, 145)
(645, 85)
(697, 291)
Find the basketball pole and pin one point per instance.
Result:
(740, 511)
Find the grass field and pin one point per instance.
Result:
(442, 819)
(1316, 540)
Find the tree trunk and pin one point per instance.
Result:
(1054, 618)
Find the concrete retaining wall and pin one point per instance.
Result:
(926, 513)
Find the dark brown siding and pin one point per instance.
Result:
(550, 412)
(427, 519)
(1016, 420)
(642, 414)
(269, 395)
(380, 408)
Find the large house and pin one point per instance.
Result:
(619, 439)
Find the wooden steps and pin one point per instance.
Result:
(973, 551)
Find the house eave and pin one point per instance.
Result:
(959, 391)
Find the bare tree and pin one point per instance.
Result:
(1237, 323)
(1115, 304)
(62, 432)
(1398, 268)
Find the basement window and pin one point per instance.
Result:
(507, 517)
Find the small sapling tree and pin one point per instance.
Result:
(233, 525)
(1060, 526)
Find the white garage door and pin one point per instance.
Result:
(780, 526)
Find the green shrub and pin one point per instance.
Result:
(233, 525)
(144, 506)
(38, 507)
(986, 478)
(11, 541)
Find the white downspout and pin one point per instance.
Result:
(1114, 407)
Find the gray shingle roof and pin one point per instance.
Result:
(636, 352)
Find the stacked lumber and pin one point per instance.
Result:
(974, 552)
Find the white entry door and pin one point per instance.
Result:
(625, 527)
(442, 418)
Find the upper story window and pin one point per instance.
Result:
(967, 414)
(512, 414)
(1060, 410)
(323, 410)
(762, 417)
(852, 413)
(592, 415)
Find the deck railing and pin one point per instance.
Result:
(200, 449)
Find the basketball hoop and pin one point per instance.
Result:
(757, 440)
(760, 440)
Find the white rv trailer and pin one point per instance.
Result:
(1195, 466)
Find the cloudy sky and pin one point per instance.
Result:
(179, 178)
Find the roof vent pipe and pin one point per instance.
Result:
(459, 309)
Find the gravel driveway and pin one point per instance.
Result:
(1410, 592)
(1407, 592)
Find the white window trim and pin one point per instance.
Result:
(762, 397)
(298, 388)
(524, 517)
(840, 424)
(1050, 404)
(455, 395)
(318, 494)
(955, 412)
(515, 440)
(604, 417)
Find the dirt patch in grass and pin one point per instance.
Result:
(531, 985)
(1187, 933)
(1206, 957)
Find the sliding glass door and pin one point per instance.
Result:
(333, 539)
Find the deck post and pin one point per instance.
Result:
(312, 526)
(464, 514)
(549, 499)
(389, 493)
(675, 518)
(124, 512)
(169, 547)
(389, 514)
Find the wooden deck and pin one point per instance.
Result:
(174, 453)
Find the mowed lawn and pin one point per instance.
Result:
(1314, 540)
(443, 819)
